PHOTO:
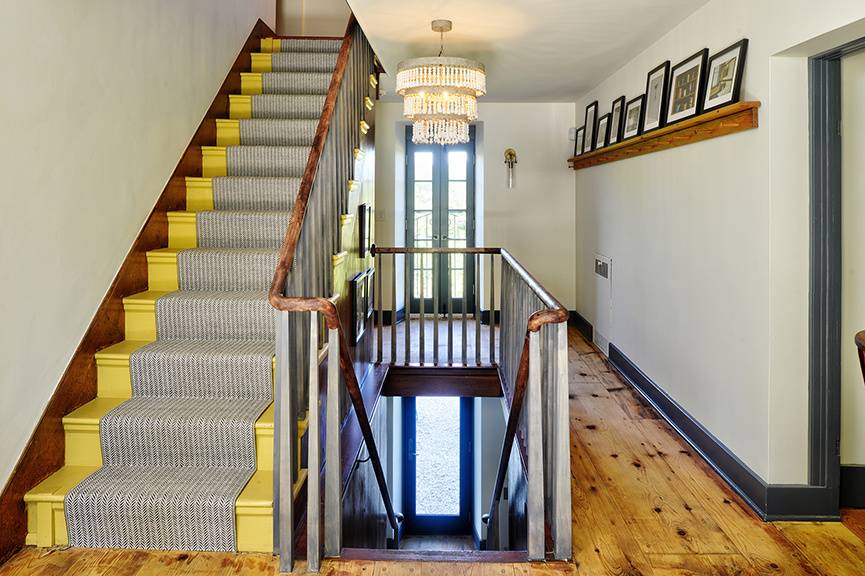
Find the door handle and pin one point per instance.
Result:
(435, 237)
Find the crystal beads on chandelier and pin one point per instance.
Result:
(440, 97)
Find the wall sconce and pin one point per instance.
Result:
(510, 162)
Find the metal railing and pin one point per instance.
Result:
(532, 359)
(302, 280)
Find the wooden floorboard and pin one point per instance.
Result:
(644, 504)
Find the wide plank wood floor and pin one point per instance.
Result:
(643, 505)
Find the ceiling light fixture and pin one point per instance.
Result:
(440, 94)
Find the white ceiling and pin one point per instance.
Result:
(533, 50)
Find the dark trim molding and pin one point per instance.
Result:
(387, 315)
(771, 502)
(485, 317)
(853, 486)
(582, 325)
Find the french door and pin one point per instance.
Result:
(440, 213)
(437, 465)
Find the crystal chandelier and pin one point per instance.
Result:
(440, 94)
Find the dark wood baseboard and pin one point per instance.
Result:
(769, 501)
(45, 451)
(476, 382)
(853, 486)
(495, 556)
(582, 325)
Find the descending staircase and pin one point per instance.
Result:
(183, 418)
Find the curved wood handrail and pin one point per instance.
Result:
(327, 308)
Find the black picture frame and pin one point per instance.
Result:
(590, 124)
(579, 140)
(364, 215)
(358, 305)
(662, 90)
(696, 86)
(712, 103)
(603, 131)
(617, 122)
(632, 104)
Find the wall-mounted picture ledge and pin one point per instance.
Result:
(722, 121)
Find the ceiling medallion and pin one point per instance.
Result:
(440, 94)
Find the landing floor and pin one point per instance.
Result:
(643, 502)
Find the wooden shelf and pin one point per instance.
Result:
(726, 120)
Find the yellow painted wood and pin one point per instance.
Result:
(373, 81)
(270, 45)
(228, 132)
(46, 521)
(182, 232)
(162, 269)
(262, 62)
(364, 127)
(199, 194)
(213, 161)
(112, 369)
(352, 184)
(239, 106)
(338, 262)
(251, 83)
(368, 102)
(140, 313)
(358, 154)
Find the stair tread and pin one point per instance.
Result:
(92, 412)
(258, 492)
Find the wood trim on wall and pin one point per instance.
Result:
(44, 452)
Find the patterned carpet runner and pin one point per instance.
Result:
(179, 452)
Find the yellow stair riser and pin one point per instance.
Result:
(199, 194)
(271, 45)
(228, 132)
(251, 83)
(240, 106)
(182, 230)
(213, 161)
(46, 520)
(83, 446)
(261, 62)
(140, 315)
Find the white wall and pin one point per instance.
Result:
(853, 257)
(100, 100)
(312, 17)
(709, 241)
(489, 433)
(534, 220)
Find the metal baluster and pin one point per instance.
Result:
(333, 456)
(407, 315)
(313, 494)
(393, 310)
(561, 511)
(283, 448)
(465, 309)
(478, 261)
(450, 312)
(435, 288)
(422, 350)
(534, 432)
(492, 305)
(380, 299)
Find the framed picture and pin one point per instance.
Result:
(370, 291)
(591, 124)
(358, 305)
(656, 97)
(634, 111)
(364, 223)
(602, 132)
(687, 84)
(617, 116)
(724, 76)
(579, 140)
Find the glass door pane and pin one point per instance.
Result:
(437, 464)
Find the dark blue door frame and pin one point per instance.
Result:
(427, 524)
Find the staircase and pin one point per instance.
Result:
(177, 449)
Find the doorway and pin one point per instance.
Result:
(437, 465)
(440, 213)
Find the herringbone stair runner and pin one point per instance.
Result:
(177, 454)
